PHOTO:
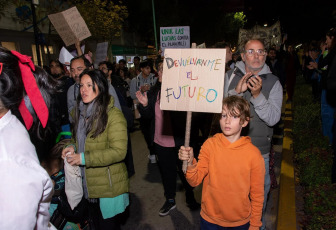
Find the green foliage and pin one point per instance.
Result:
(103, 18)
(313, 158)
(320, 207)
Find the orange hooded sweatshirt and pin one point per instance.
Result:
(233, 186)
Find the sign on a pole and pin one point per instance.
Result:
(193, 80)
(175, 37)
(70, 25)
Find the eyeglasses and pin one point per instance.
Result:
(259, 52)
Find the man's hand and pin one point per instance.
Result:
(242, 84)
(142, 98)
(255, 85)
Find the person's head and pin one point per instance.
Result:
(314, 50)
(12, 90)
(136, 60)
(235, 115)
(106, 67)
(145, 68)
(11, 86)
(272, 54)
(77, 66)
(123, 73)
(53, 163)
(56, 68)
(290, 49)
(93, 89)
(227, 47)
(330, 38)
(254, 55)
(122, 63)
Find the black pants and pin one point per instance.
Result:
(99, 222)
(145, 126)
(170, 166)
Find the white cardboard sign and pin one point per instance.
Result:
(70, 25)
(101, 52)
(175, 37)
(193, 80)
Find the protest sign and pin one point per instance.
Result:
(271, 35)
(101, 52)
(193, 80)
(175, 37)
(70, 25)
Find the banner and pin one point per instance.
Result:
(193, 80)
(70, 25)
(174, 37)
(271, 35)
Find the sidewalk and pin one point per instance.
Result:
(146, 194)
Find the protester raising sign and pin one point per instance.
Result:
(193, 80)
(70, 25)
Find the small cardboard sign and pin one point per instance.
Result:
(70, 25)
(101, 52)
(175, 37)
(193, 80)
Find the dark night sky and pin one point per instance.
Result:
(302, 20)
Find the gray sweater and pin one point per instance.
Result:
(265, 109)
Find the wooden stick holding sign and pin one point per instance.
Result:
(193, 81)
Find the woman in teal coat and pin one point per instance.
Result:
(99, 148)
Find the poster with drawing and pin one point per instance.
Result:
(70, 25)
(193, 80)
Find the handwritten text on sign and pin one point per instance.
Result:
(175, 37)
(193, 80)
(70, 25)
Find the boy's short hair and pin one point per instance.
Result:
(144, 64)
(238, 106)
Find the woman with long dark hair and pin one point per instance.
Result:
(99, 148)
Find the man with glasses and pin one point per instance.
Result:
(253, 80)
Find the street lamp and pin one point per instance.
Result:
(33, 4)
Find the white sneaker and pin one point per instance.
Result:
(152, 158)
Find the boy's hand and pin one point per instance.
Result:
(142, 98)
(186, 154)
(68, 149)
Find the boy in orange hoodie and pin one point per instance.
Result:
(232, 170)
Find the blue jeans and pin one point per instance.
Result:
(205, 225)
(267, 187)
(327, 115)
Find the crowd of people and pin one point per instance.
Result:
(91, 113)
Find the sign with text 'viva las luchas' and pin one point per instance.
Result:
(193, 80)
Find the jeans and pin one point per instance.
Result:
(205, 225)
(327, 115)
(267, 187)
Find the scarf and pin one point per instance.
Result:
(85, 111)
